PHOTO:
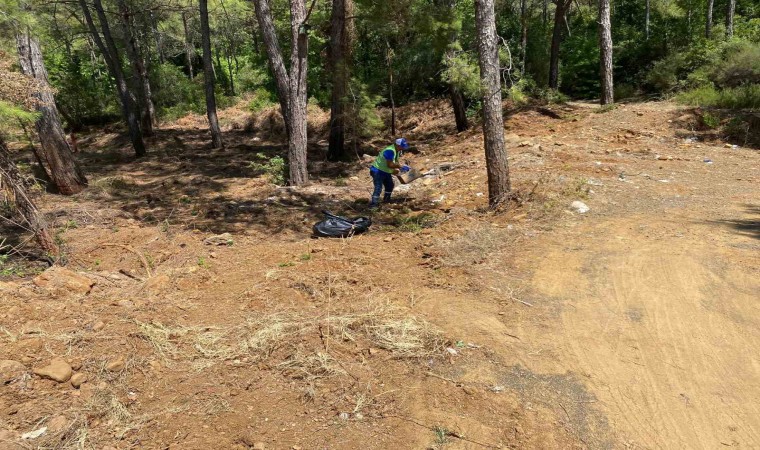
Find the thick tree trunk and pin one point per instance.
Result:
(339, 64)
(605, 52)
(493, 122)
(730, 8)
(460, 111)
(297, 141)
(709, 20)
(208, 74)
(646, 19)
(189, 52)
(272, 45)
(113, 61)
(557, 36)
(55, 154)
(140, 73)
(26, 207)
(291, 87)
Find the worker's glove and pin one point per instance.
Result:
(405, 168)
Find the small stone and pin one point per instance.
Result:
(219, 239)
(259, 446)
(58, 370)
(10, 370)
(75, 364)
(78, 379)
(59, 280)
(344, 416)
(469, 390)
(580, 207)
(99, 325)
(358, 416)
(354, 178)
(116, 365)
(57, 423)
(388, 239)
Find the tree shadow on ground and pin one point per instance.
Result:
(183, 182)
(749, 227)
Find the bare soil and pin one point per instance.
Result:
(634, 325)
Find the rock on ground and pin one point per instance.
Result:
(58, 370)
(60, 280)
(10, 370)
(580, 207)
(78, 379)
(219, 239)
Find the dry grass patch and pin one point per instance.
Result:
(474, 246)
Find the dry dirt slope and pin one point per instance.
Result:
(634, 325)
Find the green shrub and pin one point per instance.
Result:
(742, 97)
(624, 91)
(275, 168)
(710, 120)
(462, 71)
(174, 94)
(261, 100)
(250, 79)
(362, 118)
(740, 65)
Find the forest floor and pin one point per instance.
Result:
(633, 325)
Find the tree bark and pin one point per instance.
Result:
(113, 61)
(523, 34)
(646, 19)
(297, 141)
(340, 49)
(26, 207)
(709, 20)
(188, 47)
(291, 87)
(730, 8)
(208, 75)
(460, 111)
(560, 15)
(272, 45)
(493, 122)
(605, 52)
(55, 153)
(139, 71)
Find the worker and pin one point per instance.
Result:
(385, 166)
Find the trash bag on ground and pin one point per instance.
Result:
(340, 227)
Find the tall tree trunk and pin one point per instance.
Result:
(709, 20)
(523, 34)
(493, 122)
(730, 8)
(557, 37)
(646, 19)
(159, 39)
(189, 52)
(272, 45)
(208, 75)
(12, 178)
(605, 52)
(340, 49)
(389, 60)
(297, 141)
(291, 87)
(55, 152)
(460, 111)
(110, 53)
(139, 71)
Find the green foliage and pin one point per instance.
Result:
(275, 168)
(11, 115)
(710, 120)
(175, 94)
(742, 97)
(252, 79)
(362, 118)
(261, 99)
(462, 71)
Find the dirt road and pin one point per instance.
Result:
(633, 325)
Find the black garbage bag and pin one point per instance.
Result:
(337, 226)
